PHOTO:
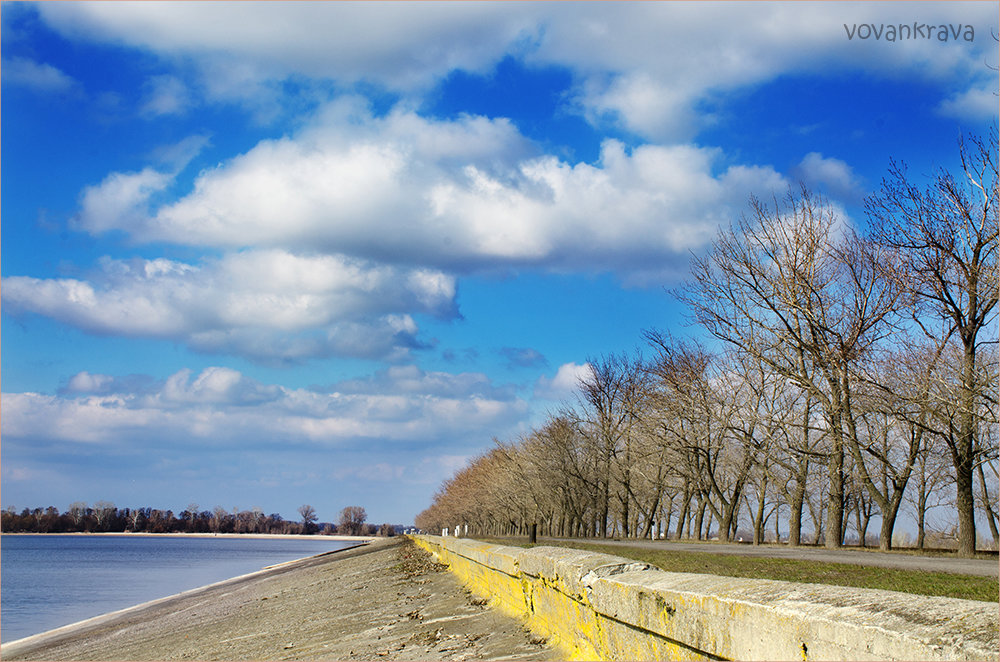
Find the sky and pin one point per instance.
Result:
(271, 254)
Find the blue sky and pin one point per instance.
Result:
(268, 254)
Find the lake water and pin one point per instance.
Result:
(47, 581)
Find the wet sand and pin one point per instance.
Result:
(384, 601)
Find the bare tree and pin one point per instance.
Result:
(309, 517)
(218, 519)
(192, 516)
(134, 517)
(946, 236)
(607, 392)
(77, 511)
(103, 512)
(806, 296)
(352, 520)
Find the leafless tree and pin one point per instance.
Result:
(946, 236)
(352, 520)
(309, 517)
(77, 511)
(103, 512)
(799, 291)
(219, 516)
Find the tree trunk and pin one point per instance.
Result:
(758, 520)
(991, 515)
(962, 456)
(795, 506)
(921, 512)
(966, 506)
(682, 518)
(835, 467)
(652, 516)
(700, 518)
(888, 524)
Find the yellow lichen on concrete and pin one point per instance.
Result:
(596, 606)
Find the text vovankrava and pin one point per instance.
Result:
(909, 31)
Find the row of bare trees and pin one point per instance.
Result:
(104, 516)
(842, 375)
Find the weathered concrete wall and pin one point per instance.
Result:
(596, 606)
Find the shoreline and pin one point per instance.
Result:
(39, 638)
(382, 600)
(86, 623)
(185, 534)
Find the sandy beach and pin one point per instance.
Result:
(382, 601)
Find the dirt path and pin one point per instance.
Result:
(384, 601)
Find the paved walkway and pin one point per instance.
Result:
(979, 567)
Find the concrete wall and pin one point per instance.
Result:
(596, 606)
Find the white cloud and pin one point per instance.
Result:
(85, 382)
(452, 195)
(216, 386)
(166, 95)
(220, 406)
(410, 380)
(564, 384)
(647, 64)
(120, 201)
(269, 305)
(37, 75)
(829, 175)
(975, 104)
(404, 46)
(176, 156)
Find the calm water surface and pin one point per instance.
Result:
(47, 581)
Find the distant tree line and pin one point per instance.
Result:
(846, 375)
(104, 516)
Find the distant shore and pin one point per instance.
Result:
(182, 534)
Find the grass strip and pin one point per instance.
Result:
(919, 582)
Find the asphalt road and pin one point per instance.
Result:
(980, 567)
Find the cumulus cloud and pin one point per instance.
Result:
(220, 406)
(407, 47)
(85, 382)
(454, 195)
(564, 384)
(975, 104)
(267, 304)
(831, 176)
(120, 201)
(646, 64)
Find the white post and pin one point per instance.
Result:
(444, 534)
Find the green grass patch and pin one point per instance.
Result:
(919, 582)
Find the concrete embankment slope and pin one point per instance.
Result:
(596, 606)
(383, 601)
